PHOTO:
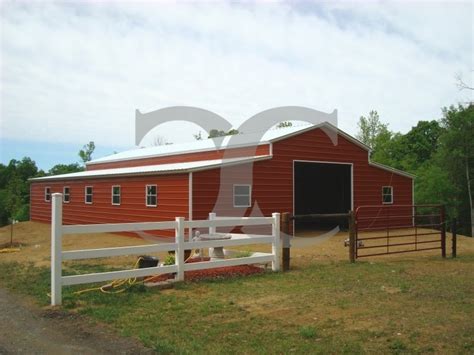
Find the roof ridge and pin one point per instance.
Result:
(201, 145)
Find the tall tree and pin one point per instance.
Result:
(86, 152)
(14, 188)
(411, 150)
(372, 132)
(457, 153)
(15, 192)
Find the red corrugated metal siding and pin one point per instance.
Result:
(272, 185)
(263, 149)
(172, 200)
(273, 179)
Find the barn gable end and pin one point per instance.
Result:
(272, 184)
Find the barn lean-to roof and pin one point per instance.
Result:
(160, 169)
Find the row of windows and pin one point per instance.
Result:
(242, 195)
(151, 195)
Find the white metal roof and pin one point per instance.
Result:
(235, 141)
(184, 167)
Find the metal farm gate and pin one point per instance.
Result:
(394, 229)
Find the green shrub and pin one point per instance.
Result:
(170, 260)
(23, 213)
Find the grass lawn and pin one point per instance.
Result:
(391, 305)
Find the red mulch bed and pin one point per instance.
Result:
(215, 273)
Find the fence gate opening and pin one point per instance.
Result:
(394, 229)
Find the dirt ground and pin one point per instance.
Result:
(36, 244)
(25, 329)
(308, 247)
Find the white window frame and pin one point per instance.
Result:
(45, 194)
(391, 195)
(86, 194)
(119, 195)
(234, 195)
(68, 194)
(146, 195)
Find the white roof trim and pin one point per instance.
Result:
(161, 169)
(392, 170)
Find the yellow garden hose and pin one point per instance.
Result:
(9, 250)
(112, 286)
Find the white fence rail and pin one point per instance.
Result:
(178, 245)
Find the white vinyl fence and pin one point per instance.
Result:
(178, 245)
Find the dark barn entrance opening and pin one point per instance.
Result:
(322, 188)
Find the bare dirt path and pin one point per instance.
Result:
(26, 329)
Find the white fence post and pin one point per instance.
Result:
(56, 244)
(179, 254)
(276, 242)
(212, 216)
(212, 231)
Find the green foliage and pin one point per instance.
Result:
(219, 133)
(308, 332)
(15, 189)
(243, 254)
(456, 156)
(22, 214)
(284, 124)
(14, 193)
(86, 152)
(3, 211)
(408, 151)
(214, 133)
(398, 347)
(439, 153)
(372, 132)
(433, 185)
(169, 260)
(65, 169)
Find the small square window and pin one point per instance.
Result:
(242, 195)
(47, 194)
(387, 195)
(151, 195)
(116, 195)
(66, 194)
(88, 194)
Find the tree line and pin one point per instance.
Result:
(15, 185)
(439, 152)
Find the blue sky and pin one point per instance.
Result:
(74, 72)
(48, 154)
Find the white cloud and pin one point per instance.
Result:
(71, 73)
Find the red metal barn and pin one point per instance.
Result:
(297, 169)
